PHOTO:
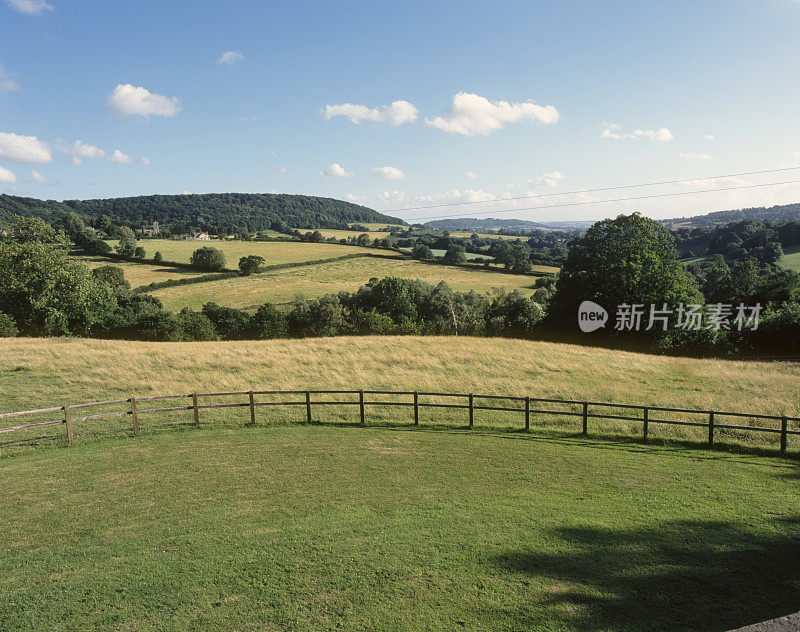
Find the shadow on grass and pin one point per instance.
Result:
(687, 575)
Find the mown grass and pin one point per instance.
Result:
(321, 528)
(312, 281)
(274, 252)
(138, 274)
(38, 373)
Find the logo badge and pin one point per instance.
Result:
(591, 316)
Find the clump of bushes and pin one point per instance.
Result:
(208, 258)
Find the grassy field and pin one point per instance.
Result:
(140, 273)
(791, 259)
(315, 280)
(40, 373)
(274, 252)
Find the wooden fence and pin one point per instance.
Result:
(709, 420)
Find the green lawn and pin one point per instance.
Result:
(319, 528)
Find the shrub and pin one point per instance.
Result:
(421, 251)
(250, 264)
(230, 323)
(8, 328)
(208, 258)
(139, 252)
(455, 254)
(195, 326)
(113, 275)
(158, 257)
(268, 323)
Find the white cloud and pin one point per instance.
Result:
(121, 158)
(145, 162)
(7, 84)
(230, 57)
(389, 173)
(336, 171)
(26, 149)
(395, 196)
(7, 177)
(82, 150)
(38, 178)
(696, 156)
(548, 179)
(30, 7)
(77, 161)
(128, 100)
(472, 175)
(708, 137)
(355, 198)
(613, 131)
(281, 169)
(398, 113)
(473, 115)
(662, 134)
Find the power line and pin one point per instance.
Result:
(627, 199)
(616, 188)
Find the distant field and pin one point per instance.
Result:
(138, 274)
(469, 233)
(344, 234)
(315, 280)
(274, 252)
(791, 259)
(471, 256)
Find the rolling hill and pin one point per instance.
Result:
(250, 211)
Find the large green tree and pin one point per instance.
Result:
(627, 260)
(45, 293)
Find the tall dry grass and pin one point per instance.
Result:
(49, 372)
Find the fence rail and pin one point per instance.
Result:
(708, 419)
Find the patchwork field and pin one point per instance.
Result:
(274, 252)
(138, 274)
(312, 281)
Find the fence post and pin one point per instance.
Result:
(308, 406)
(416, 408)
(784, 428)
(135, 416)
(196, 410)
(646, 412)
(527, 413)
(585, 417)
(710, 427)
(471, 410)
(252, 407)
(361, 406)
(68, 421)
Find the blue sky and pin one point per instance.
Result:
(491, 100)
